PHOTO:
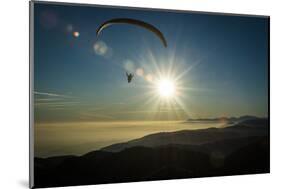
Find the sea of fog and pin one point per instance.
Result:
(55, 139)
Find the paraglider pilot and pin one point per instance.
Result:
(129, 77)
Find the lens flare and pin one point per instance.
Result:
(76, 34)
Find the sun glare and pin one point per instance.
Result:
(164, 80)
(166, 88)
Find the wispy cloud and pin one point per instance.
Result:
(53, 100)
(50, 94)
(47, 99)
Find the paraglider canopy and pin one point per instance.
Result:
(139, 23)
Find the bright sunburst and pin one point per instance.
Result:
(164, 79)
(166, 88)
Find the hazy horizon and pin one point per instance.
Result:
(78, 138)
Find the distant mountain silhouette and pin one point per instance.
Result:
(239, 149)
(244, 129)
(224, 119)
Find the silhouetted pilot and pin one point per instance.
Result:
(129, 77)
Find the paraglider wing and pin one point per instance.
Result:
(142, 24)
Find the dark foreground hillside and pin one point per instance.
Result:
(238, 155)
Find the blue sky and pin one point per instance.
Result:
(224, 59)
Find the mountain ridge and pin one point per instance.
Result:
(196, 137)
(245, 153)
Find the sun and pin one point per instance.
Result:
(166, 88)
